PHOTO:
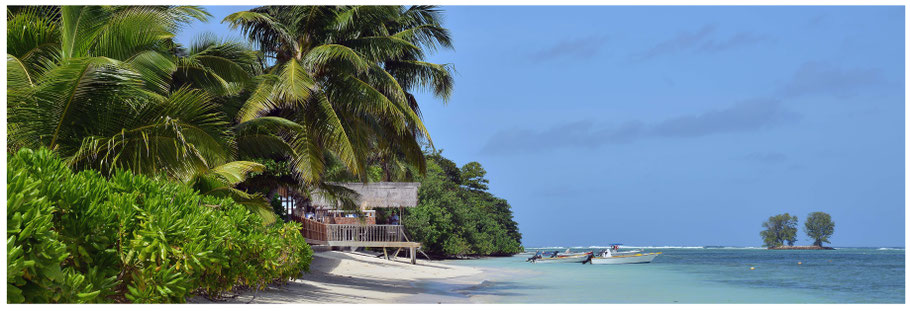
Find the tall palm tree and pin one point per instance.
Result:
(103, 87)
(341, 82)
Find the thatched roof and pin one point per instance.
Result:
(375, 195)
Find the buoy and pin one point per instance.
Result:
(751, 268)
(799, 262)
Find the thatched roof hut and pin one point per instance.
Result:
(375, 195)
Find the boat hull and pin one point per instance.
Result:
(563, 259)
(626, 259)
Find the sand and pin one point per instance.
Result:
(345, 277)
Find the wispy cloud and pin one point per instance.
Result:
(817, 20)
(703, 39)
(579, 48)
(737, 40)
(765, 157)
(682, 41)
(745, 116)
(828, 79)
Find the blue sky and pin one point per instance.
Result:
(676, 125)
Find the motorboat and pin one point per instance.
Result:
(556, 257)
(612, 256)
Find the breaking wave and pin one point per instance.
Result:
(648, 246)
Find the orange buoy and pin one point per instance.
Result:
(799, 262)
(751, 268)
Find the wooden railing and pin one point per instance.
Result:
(318, 232)
(312, 230)
(365, 233)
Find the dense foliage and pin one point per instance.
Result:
(819, 227)
(456, 217)
(109, 89)
(318, 93)
(779, 229)
(82, 237)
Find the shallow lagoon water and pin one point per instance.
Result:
(697, 275)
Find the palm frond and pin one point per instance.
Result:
(290, 88)
(305, 152)
(330, 56)
(33, 38)
(130, 32)
(17, 75)
(236, 171)
(180, 135)
(382, 48)
(262, 28)
(424, 75)
(155, 68)
(80, 25)
(67, 94)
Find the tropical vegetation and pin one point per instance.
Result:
(142, 169)
(456, 216)
(819, 227)
(86, 237)
(107, 88)
(779, 229)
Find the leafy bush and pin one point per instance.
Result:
(456, 217)
(80, 237)
(779, 229)
(819, 227)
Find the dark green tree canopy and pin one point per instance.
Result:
(779, 229)
(819, 227)
(449, 168)
(453, 220)
(472, 175)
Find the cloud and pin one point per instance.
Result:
(571, 135)
(580, 48)
(737, 40)
(745, 116)
(682, 41)
(817, 20)
(765, 157)
(700, 40)
(828, 79)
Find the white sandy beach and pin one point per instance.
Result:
(344, 277)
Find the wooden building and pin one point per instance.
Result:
(326, 223)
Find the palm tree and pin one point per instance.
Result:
(93, 83)
(107, 88)
(341, 82)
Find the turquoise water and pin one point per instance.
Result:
(700, 275)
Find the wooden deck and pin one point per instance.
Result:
(345, 235)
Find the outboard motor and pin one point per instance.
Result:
(588, 260)
(534, 258)
(554, 254)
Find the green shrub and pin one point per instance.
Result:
(80, 237)
(456, 216)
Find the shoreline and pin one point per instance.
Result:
(807, 247)
(345, 277)
(483, 288)
(342, 277)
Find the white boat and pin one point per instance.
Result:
(611, 256)
(556, 257)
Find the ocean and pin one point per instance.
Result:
(697, 275)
